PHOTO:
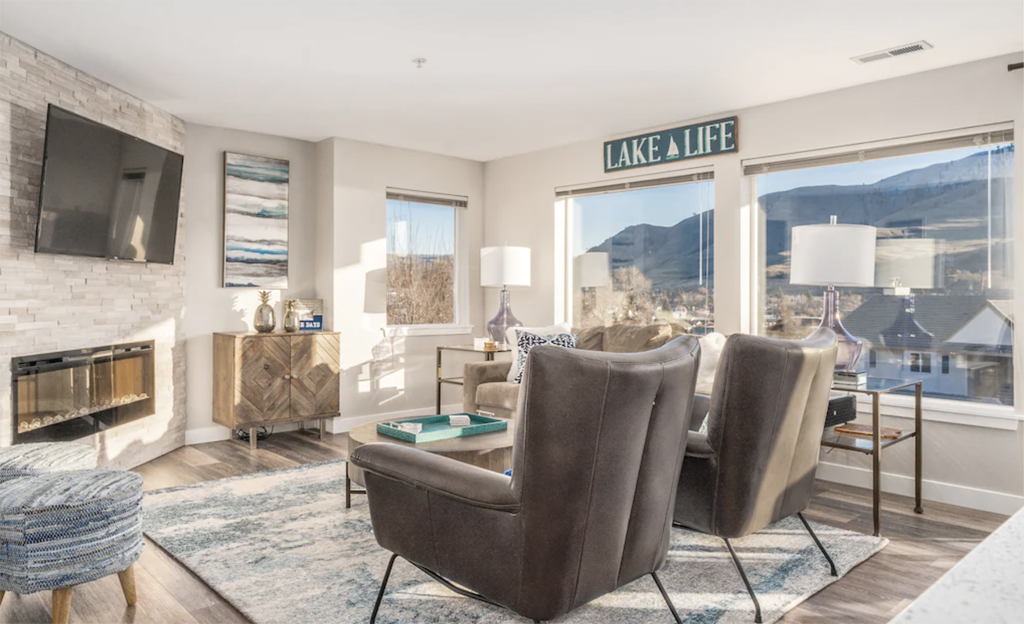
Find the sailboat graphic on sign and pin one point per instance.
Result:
(673, 149)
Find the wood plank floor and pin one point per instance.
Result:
(921, 547)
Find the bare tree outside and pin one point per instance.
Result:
(420, 264)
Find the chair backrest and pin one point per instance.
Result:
(596, 459)
(767, 414)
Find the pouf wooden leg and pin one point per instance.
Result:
(127, 578)
(1, 597)
(61, 605)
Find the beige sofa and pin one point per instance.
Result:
(485, 386)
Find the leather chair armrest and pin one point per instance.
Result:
(440, 475)
(700, 408)
(697, 446)
(476, 373)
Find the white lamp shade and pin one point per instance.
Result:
(504, 266)
(593, 270)
(906, 262)
(833, 255)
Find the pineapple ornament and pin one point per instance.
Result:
(264, 321)
(291, 316)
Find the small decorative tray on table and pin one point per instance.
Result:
(437, 428)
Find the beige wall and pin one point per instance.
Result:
(394, 374)
(211, 307)
(981, 466)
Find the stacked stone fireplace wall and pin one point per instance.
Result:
(54, 303)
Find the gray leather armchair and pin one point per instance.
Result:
(756, 463)
(588, 509)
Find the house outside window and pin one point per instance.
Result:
(422, 270)
(643, 254)
(944, 264)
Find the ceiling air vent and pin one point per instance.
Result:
(902, 50)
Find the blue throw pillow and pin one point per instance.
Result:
(527, 341)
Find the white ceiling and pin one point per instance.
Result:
(502, 77)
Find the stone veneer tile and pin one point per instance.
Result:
(53, 303)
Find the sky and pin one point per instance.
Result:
(601, 216)
(850, 174)
(420, 229)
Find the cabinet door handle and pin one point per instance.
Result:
(287, 376)
(266, 367)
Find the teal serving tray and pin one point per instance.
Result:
(437, 428)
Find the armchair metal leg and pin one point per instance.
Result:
(664, 594)
(818, 542)
(383, 586)
(743, 575)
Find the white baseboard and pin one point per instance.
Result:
(949, 493)
(215, 433)
(347, 423)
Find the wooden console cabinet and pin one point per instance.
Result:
(266, 379)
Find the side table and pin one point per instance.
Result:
(488, 356)
(876, 387)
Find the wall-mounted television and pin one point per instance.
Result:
(106, 194)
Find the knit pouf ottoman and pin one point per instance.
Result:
(26, 460)
(64, 529)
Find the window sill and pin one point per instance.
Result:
(945, 411)
(428, 330)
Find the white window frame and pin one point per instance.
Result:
(564, 265)
(1005, 417)
(460, 297)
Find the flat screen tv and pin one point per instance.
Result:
(106, 194)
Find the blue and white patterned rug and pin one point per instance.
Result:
(281, 547)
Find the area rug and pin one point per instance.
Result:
(281, 547)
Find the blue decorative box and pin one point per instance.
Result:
(437, 428)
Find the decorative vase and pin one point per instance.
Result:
(264, 322)
(291, 317)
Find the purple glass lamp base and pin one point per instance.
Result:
(504, 319)
(849, 346)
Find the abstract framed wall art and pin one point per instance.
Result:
(255, 222)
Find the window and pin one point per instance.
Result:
(421, 262)
(644, 255)
(920, 363)
(944, 263)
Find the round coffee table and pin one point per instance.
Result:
(492, 451)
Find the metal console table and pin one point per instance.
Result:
(873, 446)
(488, 356)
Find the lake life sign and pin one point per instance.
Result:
(657, 148)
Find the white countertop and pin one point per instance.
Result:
(987, 586)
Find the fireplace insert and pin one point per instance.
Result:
(73, 394)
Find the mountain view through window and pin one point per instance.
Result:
(644, 256)
(945, 223)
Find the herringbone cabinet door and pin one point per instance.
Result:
(263, 388)
(316, 363)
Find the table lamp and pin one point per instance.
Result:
(501, 267)
(834, 254)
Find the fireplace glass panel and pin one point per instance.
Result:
(70, 395)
